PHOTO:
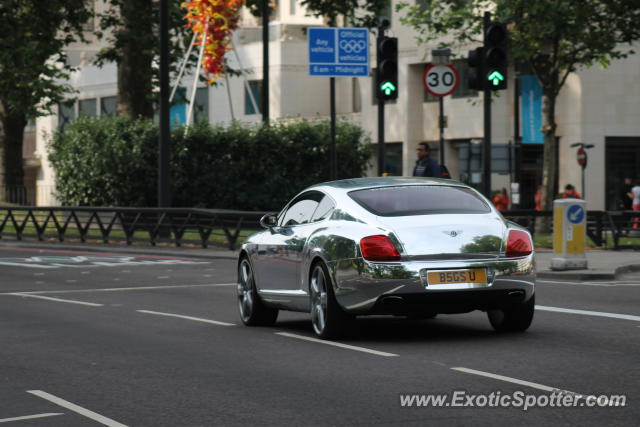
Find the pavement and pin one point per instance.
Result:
(603, 264)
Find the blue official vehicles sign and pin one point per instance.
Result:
(338, 52)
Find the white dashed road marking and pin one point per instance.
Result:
(69, 301)
(139, 288)
(180, 316)
(77, 409)
(28, 417)
(604, 284)
(337, 344)
(589, 313)
(507, 379)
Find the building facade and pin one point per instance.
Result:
(596, 106)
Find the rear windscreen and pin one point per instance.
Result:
(419, 200)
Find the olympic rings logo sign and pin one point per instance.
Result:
(353, 46)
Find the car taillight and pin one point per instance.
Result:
(518, 244)
(379, 248)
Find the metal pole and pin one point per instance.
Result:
(164, 143)
(182, 67)
(333, 158)
(486, 146)
(333, 161)
(517, 140)
(265, 61)
(380, 137)
(441, 105)
(381, 29)
(196, 77)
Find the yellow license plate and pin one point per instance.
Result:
(446, 277)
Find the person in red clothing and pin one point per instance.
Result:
(537, 198)
(570, 192)
(501, 200)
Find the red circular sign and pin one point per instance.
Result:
(440, 79)
(582, 157)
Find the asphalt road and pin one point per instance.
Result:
(95, 338)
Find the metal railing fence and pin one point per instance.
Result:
(129, 225)
(206, 227)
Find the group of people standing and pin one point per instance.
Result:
(427, 166)
(630, 195)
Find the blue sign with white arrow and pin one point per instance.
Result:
(575, 214)
(338, 52)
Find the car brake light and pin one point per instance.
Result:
(379, 248)
(519, 244)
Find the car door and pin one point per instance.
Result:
(282, 249)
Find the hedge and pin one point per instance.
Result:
(113, 162)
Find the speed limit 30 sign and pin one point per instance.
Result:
(440, 79)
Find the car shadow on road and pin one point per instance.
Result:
(393, 329)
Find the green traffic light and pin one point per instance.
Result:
(388, 88)
(495, 78)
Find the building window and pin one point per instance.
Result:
(66, 114)
(393, 158)
(201, 105)
(470, 160)
(292, 7)
(108, 106)
(255, 86)
(88, 108)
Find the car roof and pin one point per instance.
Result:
(388, 181)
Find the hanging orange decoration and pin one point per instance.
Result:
(218, 18)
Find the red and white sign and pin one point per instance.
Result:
(440, 79)
(581, 154)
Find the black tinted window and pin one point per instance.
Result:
(419, 200)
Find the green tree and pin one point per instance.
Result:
(357, 13)
(551, 37)
(33, 67)
(131, 29)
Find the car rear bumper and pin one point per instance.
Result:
(363, 287)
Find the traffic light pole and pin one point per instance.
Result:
(332, 150)
(380, 137)
(486, 146)
(381, 102)
(265, 62)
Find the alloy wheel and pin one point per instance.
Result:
(245, 290)
(318, 300)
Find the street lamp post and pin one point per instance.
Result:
(164, 143)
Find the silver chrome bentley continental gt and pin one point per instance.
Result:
(412, 247)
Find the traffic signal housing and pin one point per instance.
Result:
(476, 75)
(387, 71)
(495, 56)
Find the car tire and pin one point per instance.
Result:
(515, 318)
(328, 319)
(253, 312)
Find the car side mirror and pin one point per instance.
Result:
(269, 220)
